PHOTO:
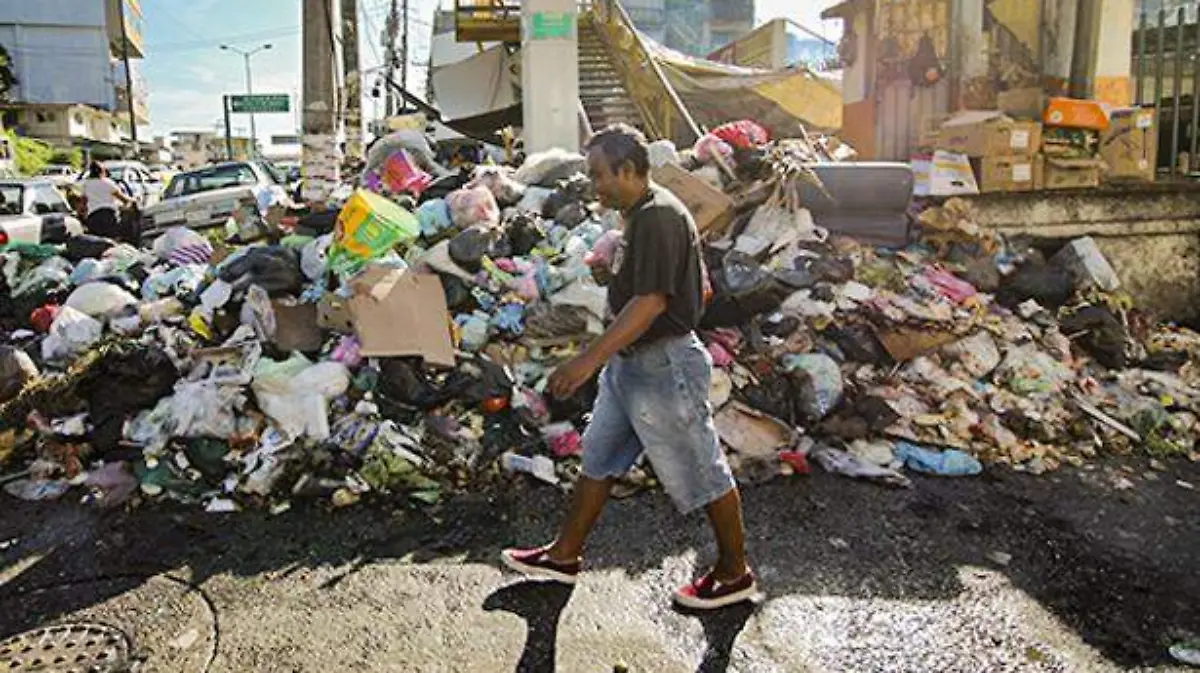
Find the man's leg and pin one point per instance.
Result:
(725, 515)
(586, 505)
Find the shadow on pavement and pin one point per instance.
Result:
(1117, 567)
(541, 605)
(721, 629)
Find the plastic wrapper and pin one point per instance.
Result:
(470, 207)
(400, 174)
(468, 249)
(100, 299)
(663, 152)
(52, 275)
(180, 245)
(72, 332)
(204, 409)
(314, 257)
(949, 463)
(977, 354)
(709, 147)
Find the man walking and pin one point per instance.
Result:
(654, 383)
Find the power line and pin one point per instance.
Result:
(226, 39)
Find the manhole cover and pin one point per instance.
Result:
(73, 648)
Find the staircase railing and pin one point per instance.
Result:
(662, 110)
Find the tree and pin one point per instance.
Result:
(8, 80)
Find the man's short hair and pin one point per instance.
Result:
(620, 143)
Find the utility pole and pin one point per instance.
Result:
(246, 56)
(390, 31)
(320, 160)
(133, 139)
(352, 78)
(404, 52)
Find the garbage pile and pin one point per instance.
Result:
(405, 353)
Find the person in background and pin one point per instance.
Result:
(103, 199)
(654, 380)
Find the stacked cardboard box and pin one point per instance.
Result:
(1003, 151)
(1130, 145)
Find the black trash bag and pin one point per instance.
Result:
(1103, 335)
(774, 396)
(274, 268)
(407, 381)
(502, 247)
(86, 246)
(125, 380)
(742, 289)
(572, 215)
(782, 328)
(982, 274)
(525, 231)
(835, 270)
(441, 187)
(318, 223)
(470, 247)
(577, 189)
(490, 380)
(1048, 285)
(858, 343)
(458, 294)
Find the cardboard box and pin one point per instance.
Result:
(981, 133)
(1130, 145)
(333, 313)
(296, 327)
(1029, 103)
(1072, 173)
(711, 208)
(1010, 174)
(397, 313)
(943, 174)
(1076, 114)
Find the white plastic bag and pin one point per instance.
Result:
(70, 334)
(258, 314)
(204, 409)
(100, 299)
(663, 152)
(296, 397)
(498, 180)
(182, 246)
(544, 169)
(778, 223)
(313, 258)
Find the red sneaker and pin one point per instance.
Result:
(536, 563)
(707, 593)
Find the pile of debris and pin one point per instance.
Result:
(405, 352)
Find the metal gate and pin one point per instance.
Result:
(1166, 46)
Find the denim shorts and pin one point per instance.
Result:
(655, 399)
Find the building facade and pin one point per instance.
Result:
(67, 56)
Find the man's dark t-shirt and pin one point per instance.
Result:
(660, 254)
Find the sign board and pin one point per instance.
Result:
(260, 102)
(550, 26)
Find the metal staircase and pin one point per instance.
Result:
(601, 91)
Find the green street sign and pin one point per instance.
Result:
(550, 26)
(260, 102)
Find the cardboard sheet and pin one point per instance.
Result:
(398, 312)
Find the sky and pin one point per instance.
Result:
(187, 73)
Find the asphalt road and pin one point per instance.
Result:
(1072, 571)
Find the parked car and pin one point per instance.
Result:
(61, 175)
(137, 181)
(208, 197)
(34, 211)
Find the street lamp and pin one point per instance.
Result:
(249, 84)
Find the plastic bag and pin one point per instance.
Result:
(273, 268)
(16, 369)
(499, 182)
(778, 223)
(314, 257)
(100, 299)
(819, 383)
(180, 281)
(1027, 370)
(468, 249)
(709, 147)
(742, 135)
(86, 246)
(52, 275)
(400, 174)
(205, 409)
(473, 207)
(663, 152)
(545, 169)
(950, 463)
(434, 217)
(295, 396)
(977, 354)
(72, 332)
(180, 245)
